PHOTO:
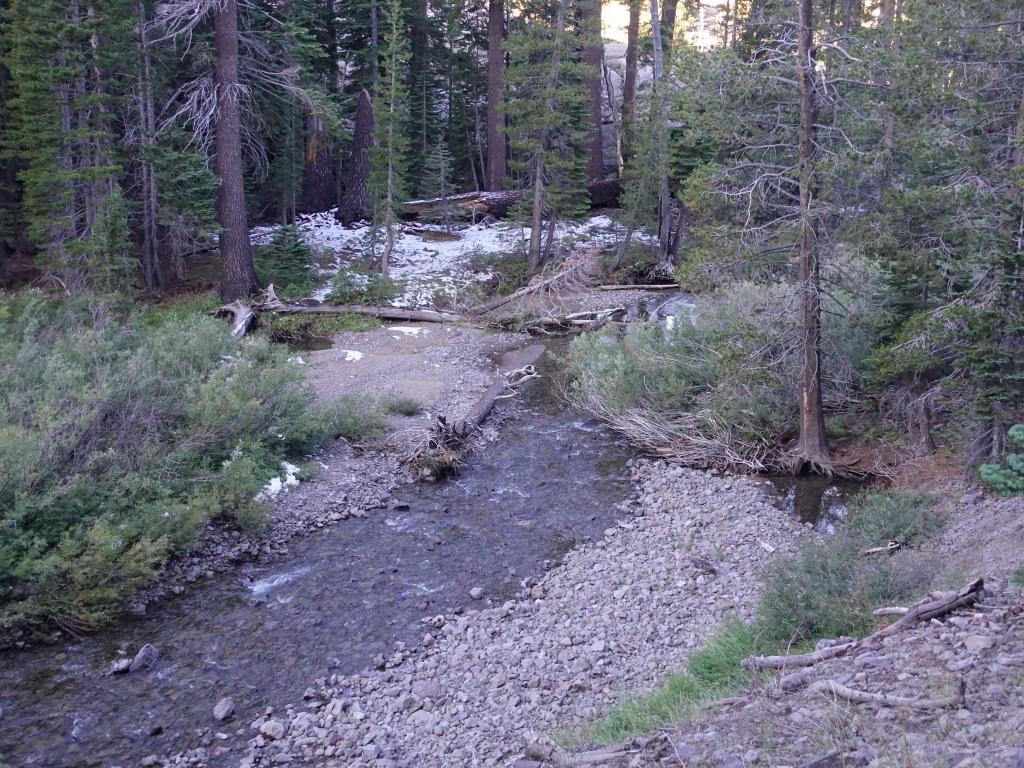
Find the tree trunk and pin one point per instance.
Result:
(355, 201)
(318, 182)
(496, 141)
(155, 274)
(812, 450)
(533, 256)
(660, 85)
(238, 275)
(629, 82)
(593, 56)
(668, 31)
(476, 205)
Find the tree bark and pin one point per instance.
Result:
(668, 31)
(660, 85)
(812, 449)
(496, 141)
(238, 275)
(593, 57)
(355, 200)
(318, 181)
(629, 81)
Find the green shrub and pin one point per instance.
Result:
(830, 589)
(403, 406)
(359, 285)
(354, 419)
(1007, 477)
(302, 328)
(877, 517)
(509, 271)
(119, 438)
(287, 263)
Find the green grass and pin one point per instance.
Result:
(403, 406)
(712, 673)
(355, 420)
(1017, 578)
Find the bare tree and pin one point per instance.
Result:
(496, 140)
(629, 81)
(812, 448)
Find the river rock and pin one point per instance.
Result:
(428, 689)
(476, 593)
(119, 666)
(978, 643)
(146, 658)
(224, 709)
(272, 729)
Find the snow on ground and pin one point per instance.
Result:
(428, 261)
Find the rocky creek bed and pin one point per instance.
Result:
(615, 616)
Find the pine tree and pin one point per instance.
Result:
(436, 181)
(546, 106)
(389, 156)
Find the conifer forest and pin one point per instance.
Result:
(414, 383)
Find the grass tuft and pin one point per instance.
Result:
(403, 406)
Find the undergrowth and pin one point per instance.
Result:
(360, 285)
(302, 328)
(120, 436)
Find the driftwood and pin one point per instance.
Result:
(640, 287)
(934, 605)
(243, 314)
(269, 301)
(442, 452)
(831, 687)
(892, 546)
(385, 313)
(575, 271)
(477, 205)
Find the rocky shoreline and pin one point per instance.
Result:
(613, 618)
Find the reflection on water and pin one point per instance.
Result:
(819, 501)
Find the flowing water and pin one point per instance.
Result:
(341, 597)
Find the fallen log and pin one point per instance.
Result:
(892, 546)
(477, 205)
(639, 287)
(384, 313)
(841, 691)
(934, 605)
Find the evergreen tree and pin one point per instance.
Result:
(389, 156)
(546, 105)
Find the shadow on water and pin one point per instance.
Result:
(341, 597)
(816, 500)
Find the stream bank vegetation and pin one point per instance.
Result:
(121, 435)
(822, 590)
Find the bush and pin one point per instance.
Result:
(355, 420)
(287, 263)
(303, 328)
(358, 285)
(509, 272)
(119, 438)
(830, 589)
(1007, 477)
(403, 406)
(718, 387)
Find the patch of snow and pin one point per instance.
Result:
(427, 267)
(408, 330)
(278, 484)
(351, 355)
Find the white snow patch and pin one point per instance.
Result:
(428, 267)
(351, 355)
(408, 330)
(278, 484)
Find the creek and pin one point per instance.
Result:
(341, 598)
